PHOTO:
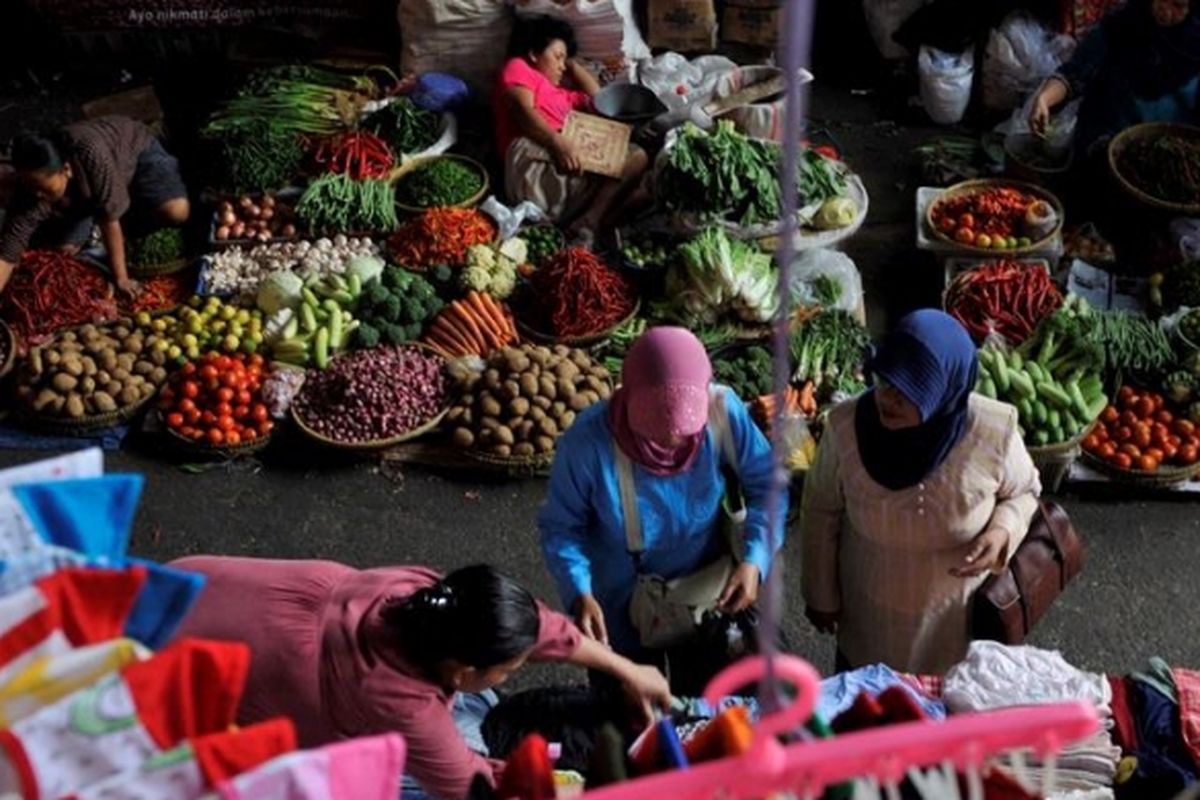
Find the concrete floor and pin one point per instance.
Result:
(1135, 599)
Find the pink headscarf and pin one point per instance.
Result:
(664, 392)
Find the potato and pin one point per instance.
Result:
(87, 385)
(504, 435)
(544, 444)
(472, 382)
(490, 405)
(126, 360)
(89, 366)
(143, 368)
(489, 423)
(64, 382)
(592, 397)
(102, 378)
(468, 400)
(491, 379)
(566, 419)
(147, 390)
(578, 402)
(510, 390)
(44, 399)
(502, 450)
(537, 414)
(158, 376)
(512, 423)
(52, 357)
(566, 388)
(581, 359)
(558, 409)
(133, 345)
(121, 332)
(158, 358)
(548, 426)
(108, 360)
(67, 336)
(486, 437)
(561, 350)
(543, 403)
(130, 395)
(594, 383)
(454, 414)
(524, 449)
(547, 388)
(600, 373)
(525, 430)
(74, 406)
(113, 388)
(89, 331)
(462, 437)
(519, 406)
(73, 366)
(515, 361)
(120, 374)
(104, 402)
(529, 386)
(468, 417)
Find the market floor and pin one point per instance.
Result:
(1137, 596)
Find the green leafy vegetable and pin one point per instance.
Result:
(404, 126)
(340, 204)
(165, 244)
(716, 277)
(440, 182)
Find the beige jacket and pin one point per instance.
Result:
(882, 558)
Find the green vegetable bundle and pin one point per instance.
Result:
(405, 127)
(716, 277)
(439, 182)
(726, 175)
(829, 350)
(1051, 409)
(305, 100)
(395, 308)
(748, 372)
(255, 159)
(165, 244)
(340, 204)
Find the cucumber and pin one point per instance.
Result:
(307, 317)
(309, 297)
(1096, 407)
(1022, 383)
(1001, 375)
(1035, 371)
(1057, 435)
(1053, 394)
(1015, 360)
(1040, 414)
(335, 331)
(291, 328)
(338, 283)
(987, 387)
(1041, 438)
(347, 331)
(1054, 418)
(1025, 410)
(354, 285)
(321, 349)
(1078, 404)
(290, 347)
(341, 297)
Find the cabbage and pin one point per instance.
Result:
(367, 268)
(717, 276)
(279, 291)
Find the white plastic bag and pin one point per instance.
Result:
(946, 83)
(1059, 133)
(509, 220)
(1020, 54)
(678, 81)
(884, 18)
(811, 266)
(604, 29)
(1186, 233)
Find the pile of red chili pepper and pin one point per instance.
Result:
(1009, 298)
(50, 290)
(440, 236)
(577, 294)
(161, 292)
(360, 154)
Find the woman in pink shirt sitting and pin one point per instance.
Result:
(346, 653)
(532, 105)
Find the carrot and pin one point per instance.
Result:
(438, 339)
(469, 323)
(477, 304)
(481, 322)
(452, 333)
(494, 314)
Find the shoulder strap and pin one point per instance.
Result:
(718, 420)
(629, 506)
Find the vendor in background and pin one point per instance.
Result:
(90, 172)
(345, 653)
(919, 490)
(659, 419)
(1141, 64)
(532, 105)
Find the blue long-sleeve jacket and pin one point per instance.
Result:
(582, 527)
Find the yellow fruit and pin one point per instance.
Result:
(242, 317)
(159, 326)
(983, 240)
(228, 313)
(174, 351)
(193, 353)
(142, 318)
(231, 344)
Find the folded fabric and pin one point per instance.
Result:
(994, 675)
(358, 769)
(1187, 682)
(190, 689)
(839, 692)
(71, 608)
(48, 678)
(17, 534)
(40, 560)
(197, 766)
(1157, 674)
(1124, 725)
(1164, 766)
(162, 604)
(91, 515)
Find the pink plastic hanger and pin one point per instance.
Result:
(885, 755)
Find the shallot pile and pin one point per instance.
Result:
(373, 394)
(262, 221)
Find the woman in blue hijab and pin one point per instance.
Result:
(942, 493)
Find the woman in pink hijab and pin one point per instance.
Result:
(681, 435)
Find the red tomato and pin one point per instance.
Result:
(1185, 427)
(186, 405)
(167, 394)
(188, 369)
(1147, 463)
(1121, 461)
(1131, 450)
(1090, 443)
(175, 420)
(190, 390)
(1101, 433)
(1123, 434)
(241, 412)
(266, 426)
(1158, 401)
(965, 236)
(1130, 402)
(1154, 452)
(225, 395)
(1160, 433)
(233, 437)
(226, 423)
(197, 434)
(1124, 393)
(208, 418)
(244, 398)
(1169, 451)
(1187, 455)
(966, 221)
(231, 380)
(259, 413)
(223, 409)
(256, 360)
(1165, 417)
(193, 416)
(1145, 407)
(1110, 415)
(1142, 437)
(215, 436)
(1129, 418)
(209, 372)
(1108, 450)
(187, 431)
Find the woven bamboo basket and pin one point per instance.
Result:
(82, 426)
(1162, 478)
(970, 187)
(538, 337)
(411, 166)
(513, 466)
(1054, 461)
(375, 444)
(1149, 130)
(216, 453)
(155, 270)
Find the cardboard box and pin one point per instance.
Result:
(752, 23)
(685, 26)
(603, 143)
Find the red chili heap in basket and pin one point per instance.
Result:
(218, 401)
(440, 236)
(359, 154)
(1006, 297)
(576, 294)
(374, 394)
(51, 291)
(161, 292)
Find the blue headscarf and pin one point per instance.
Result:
(930, 359)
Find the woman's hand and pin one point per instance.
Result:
(823, 621)
(985, 554)
(70, 248)
(1039, 114)
(566, 155)
(741, 591)
(647, 689)
(590, 618)
(129, 287)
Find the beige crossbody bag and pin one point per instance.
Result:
(665, 612)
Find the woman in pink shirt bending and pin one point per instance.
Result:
(346, 653)
(532, 105)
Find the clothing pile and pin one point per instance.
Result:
(95, 703)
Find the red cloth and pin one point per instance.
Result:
(86, 605)
(1187, 684)
(553, 102)
(1125, 732)
(1078, 17)
(529, 775)
(189, 689)
(226, 755)
(324, 659)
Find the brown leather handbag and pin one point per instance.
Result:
(1008, 605)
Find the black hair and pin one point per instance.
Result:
(535, 34)
(34, 153)
(475, 616)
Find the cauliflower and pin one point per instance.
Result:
(279, 291)
(476, 278)
(482, 256)
(504, 283)
(515, 250)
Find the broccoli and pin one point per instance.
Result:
(413, 311)
(432, 306)
(392, 309)
(367, 335)
(413, 330)
(376, 294)
(394, 334)
(442, 273)
(396, 278)
(422, 290)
